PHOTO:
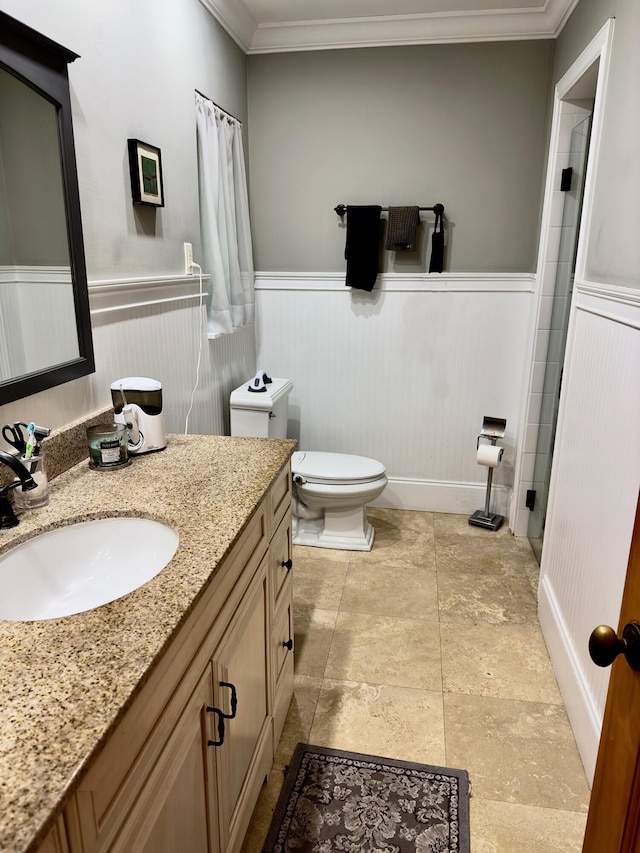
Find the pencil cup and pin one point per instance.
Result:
(39, 496)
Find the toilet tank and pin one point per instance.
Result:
(260, 414)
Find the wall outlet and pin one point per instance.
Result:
(188, 259)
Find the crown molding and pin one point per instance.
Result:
(235, 18)
(255, 37)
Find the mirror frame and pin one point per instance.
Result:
(41, 64)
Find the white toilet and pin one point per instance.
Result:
(330, 490)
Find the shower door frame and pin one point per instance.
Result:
(577, 160)
(597, 51)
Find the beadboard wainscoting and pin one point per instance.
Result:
(37, 318)
(154, 327)
(592, 499)
(404, 374)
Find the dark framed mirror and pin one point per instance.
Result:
(45, 325)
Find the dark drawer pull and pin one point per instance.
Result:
(234, 700)
(288, 644)
(220, 740)
(288, 564)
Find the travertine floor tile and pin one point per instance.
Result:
(313, 633)
(297, 726)
(305, 554)
(384, 650)
(390, 521)
(511, 827)
(402, 536)
(319, 583)
(505, 661)
(450, 528)
(520, 752)
(490, 588)
(369, 671)
(376, 719)
(391, 589)
(263, 812)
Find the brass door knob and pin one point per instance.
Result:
(605, 645)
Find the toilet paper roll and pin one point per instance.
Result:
(489, 455)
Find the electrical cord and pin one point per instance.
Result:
(201, 337)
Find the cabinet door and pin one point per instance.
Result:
(282, 662)
(56, 840)
(241, 693)
(281, 562)
(176, 808)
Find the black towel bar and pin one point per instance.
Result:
(341, 209)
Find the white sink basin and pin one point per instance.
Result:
(76, 568)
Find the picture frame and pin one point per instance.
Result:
(145, 167)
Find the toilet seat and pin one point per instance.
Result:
(335, 468)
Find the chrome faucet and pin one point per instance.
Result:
(7, 515)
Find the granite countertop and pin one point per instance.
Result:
(66, 683)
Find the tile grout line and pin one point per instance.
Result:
(444, 713)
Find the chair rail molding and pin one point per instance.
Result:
(109, 295)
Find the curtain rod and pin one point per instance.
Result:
(217, 106)
(437, 208)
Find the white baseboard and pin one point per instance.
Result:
(582, 714)
(441, 496)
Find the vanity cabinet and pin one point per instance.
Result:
(183, 769)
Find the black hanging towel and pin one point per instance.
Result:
(362, 249)
(437, 242)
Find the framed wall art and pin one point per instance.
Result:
(145, 166)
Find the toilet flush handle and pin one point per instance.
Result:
(271, 416)
(298, 478)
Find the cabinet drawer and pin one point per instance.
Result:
(282, 638)
(279, 498)
(281, 562)
(282, 662)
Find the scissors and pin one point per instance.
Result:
(13, 435)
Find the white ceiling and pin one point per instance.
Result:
(272, 26)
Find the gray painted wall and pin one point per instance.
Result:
(613, 248)
(139, 65)
(463, 124)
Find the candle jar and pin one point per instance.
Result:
(108, 446)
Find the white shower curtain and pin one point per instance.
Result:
(224, 218)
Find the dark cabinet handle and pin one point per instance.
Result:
(220, 740)
(288, 644)
(287, 564)
(234, 700)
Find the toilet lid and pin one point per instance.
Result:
(319, 467)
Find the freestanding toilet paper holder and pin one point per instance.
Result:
(492, 430)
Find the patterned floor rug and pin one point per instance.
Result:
(333, 800)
